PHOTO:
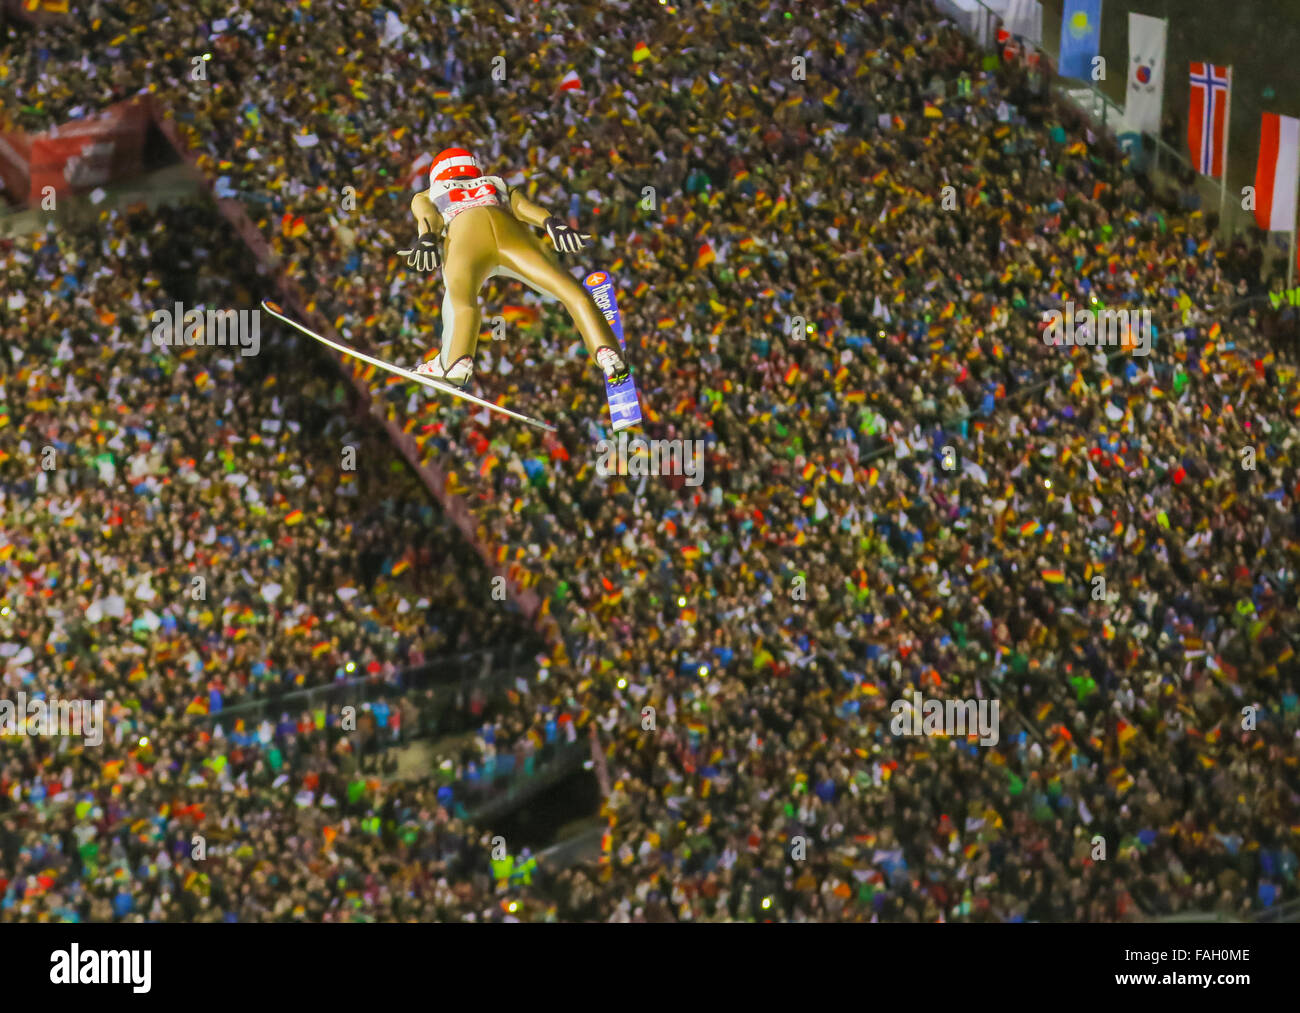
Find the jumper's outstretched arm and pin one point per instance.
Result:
(527, 211)
(427, 218)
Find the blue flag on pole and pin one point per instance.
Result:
(1080, 37)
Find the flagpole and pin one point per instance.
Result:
(1290, 260)
(1227, 146)
(1160, 120)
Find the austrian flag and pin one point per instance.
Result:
(1207, 117)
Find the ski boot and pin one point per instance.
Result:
(612, 365)
(458, 375)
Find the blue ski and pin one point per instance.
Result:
(624, 402)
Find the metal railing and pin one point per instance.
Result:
(1101, 106)
(564, 760)
(1288, 911)
(581, 847)
(439, 673)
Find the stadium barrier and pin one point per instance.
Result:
(1288, 912)
(581, 847)
(74, 157)
(430, 675)
(558, 762)
(380, 728)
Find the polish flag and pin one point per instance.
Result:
(1276, 174)
(571, 82)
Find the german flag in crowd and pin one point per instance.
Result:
(291, 226)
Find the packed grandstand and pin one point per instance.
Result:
(829, 468)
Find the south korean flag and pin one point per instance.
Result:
(1146, 73)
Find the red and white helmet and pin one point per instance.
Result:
(454, 163)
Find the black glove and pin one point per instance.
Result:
(565, 239)
(425, 256)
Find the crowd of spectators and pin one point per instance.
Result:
(915, 494)
(185, 531)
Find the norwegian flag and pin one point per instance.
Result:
(1208, 116)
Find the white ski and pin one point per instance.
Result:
(276, 311)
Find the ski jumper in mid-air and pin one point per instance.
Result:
(487, 234)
